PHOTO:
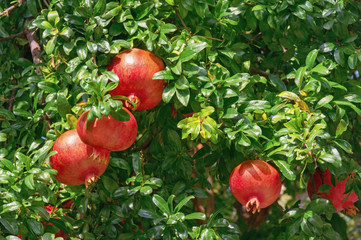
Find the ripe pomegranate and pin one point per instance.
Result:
(336, 193)
(135, 69)
(76, 162)
(60, 233)
(108, 132)
(256, 184)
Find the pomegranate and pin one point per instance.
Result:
(60, 233)
(108, 132)
(76, 162)
(135, 69)
(336, 193)
(256, 184)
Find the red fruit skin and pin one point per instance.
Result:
(77, 162)
(135, 69)
(336, 193)
(255, 179)
(49, 209)
(108, 132)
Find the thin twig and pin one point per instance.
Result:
(260, 72)
(13, 36)
(46, 3)
(187, 29)
(8, 10)
(212, 38)
(180, 17)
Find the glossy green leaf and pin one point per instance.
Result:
(286, 170)
(50, 46)
(161, 204)
(311, 58)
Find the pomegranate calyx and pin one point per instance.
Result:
(132, 99)
(99, 155)
(351, 210)
(253, 205)
(92, 179)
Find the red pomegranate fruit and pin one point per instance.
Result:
(60, 233)
(108, 132)
(135, 69)
(255, 184)
(336, 193)
(76, 162)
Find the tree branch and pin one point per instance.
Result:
(181, 19)
(34, 46)
(260, 72)
(13, 36)
(8, 10)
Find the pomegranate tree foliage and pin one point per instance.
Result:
(273, 80)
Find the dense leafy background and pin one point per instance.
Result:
(275, 80)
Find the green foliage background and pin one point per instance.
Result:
(275, 80)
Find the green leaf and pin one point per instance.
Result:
(161, 204)
(63, 105)
(277, 82)
(99, 7)
(174, 140)
(344, 103)
(352, 61)
(120, 115)
(230, 113)
(339, 56)
(323, 101)
(322, 70)
(183, 96)
(310, 59)
(111, 76)
(53, 17)
(346, 146)
(137, 163)
(299, 76)
(165, 75)
(353, 97)
(196, 215)
(10, 225)
(82, 51)
(6, 115)
(341, 128)
(257, 105)
(109, 183)
(170, 2)
(168, 28)
(49, 87)
(29, 182)
(327, 47)
(182, 203)
(191, 51)
(146, 190)
(47, 25)
(35, 226)
(9, 207)
(168, 93)
(285, 169)
(50, 46)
